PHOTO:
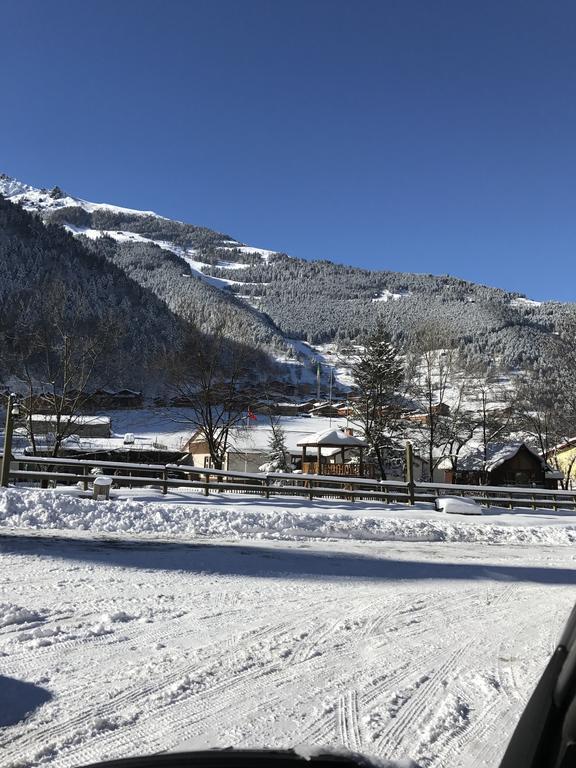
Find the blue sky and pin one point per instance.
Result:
(423, 136)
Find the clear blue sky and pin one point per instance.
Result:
(424, 136)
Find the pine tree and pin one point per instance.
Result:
(278, 455)
(378, 374)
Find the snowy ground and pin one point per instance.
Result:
(245, 634)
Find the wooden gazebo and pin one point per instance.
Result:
(334, 442)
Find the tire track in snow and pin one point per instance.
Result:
(348, 721)
(422, 701)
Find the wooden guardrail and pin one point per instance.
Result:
(499, 496)
(165, 476)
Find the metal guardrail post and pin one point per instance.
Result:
(410, 472)
(164, 481)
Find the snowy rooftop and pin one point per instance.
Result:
(84, 420)
(296, 429)
(497, 454)
(335, 438)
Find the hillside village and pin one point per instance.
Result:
(314, 434)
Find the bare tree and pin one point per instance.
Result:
(546, 412)
(429, 378)
(495, 414)
(61, 362)
(459, 426)
(215, 378)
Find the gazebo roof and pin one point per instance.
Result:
(334, 438)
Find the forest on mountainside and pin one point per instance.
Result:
(134, 309)
(325, 302)
(271, 299)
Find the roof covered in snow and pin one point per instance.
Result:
(497, 454)
(255, 438)
(335, 438)
(41, 418)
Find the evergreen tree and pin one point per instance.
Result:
(278, 455)
(378, 375)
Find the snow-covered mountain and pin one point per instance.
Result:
(57, 206)
(45, 201)
(297, 311)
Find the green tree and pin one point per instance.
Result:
(278, 454)
(378, 374)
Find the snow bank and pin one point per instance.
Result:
(16, 614)
(48, 510)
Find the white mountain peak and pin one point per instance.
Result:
(35, 199)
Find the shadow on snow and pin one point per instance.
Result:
(256, 560)
(19, 699)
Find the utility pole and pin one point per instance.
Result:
(410, 472)
(12, 409)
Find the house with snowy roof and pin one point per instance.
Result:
(86, 426)
(505, 464)
(249, 444)
(563, 458)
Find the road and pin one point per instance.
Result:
(123, 646)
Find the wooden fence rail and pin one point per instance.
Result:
(48, 470)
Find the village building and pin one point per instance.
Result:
(505, 464)
(440, 409)
(286, 408)
(111, 398)
(83, 426)
(563, 458)
(326, 409)
(249, 445)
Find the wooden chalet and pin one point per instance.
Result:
(326, 409)
(111, 398)
(506, 464)
(440, 409)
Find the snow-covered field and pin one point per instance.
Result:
(134, 626)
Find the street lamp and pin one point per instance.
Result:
(12, 410)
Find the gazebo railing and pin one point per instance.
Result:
(338, 470)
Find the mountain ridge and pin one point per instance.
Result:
(280, 302)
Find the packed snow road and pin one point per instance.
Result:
(122, 646)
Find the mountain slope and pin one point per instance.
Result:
(270, 299)
(49, 280)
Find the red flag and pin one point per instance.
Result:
(251, 414)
